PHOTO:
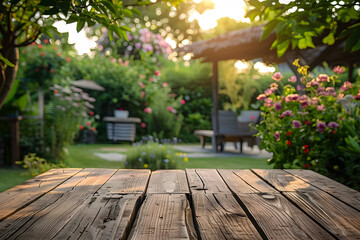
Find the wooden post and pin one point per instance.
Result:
(15, 137)
(215, 97)
(350, 73)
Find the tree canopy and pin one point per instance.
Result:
(304, 24)
(23, 21)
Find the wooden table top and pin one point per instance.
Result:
(177, 204)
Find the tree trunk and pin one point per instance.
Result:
(8, 74)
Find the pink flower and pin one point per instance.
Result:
(292, 79)
(296, 124)
(141, 84)
(151, 79)
(287, 113)
(330, 91)
(347, 85)
(268, 102)
(321, 126)
(277, 136)
(143, 125)
(252, 117)
(304, 101)
(274, 86)
(143, 94)
(278, 106)
(323, 78)
(268, 92)
(333, 125)
(277, 76)
(148, 110)
(314, 101)
(157, 73)
(261, 97)
(165, 84)
(182, 101)
(169, 109)
(338, 69)
(299, 87)
(141, 76)
(321, 107)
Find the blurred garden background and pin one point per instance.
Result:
(143, 70)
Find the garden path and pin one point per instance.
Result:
(196, 151)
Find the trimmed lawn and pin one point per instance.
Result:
(82, 156)
(11, 177)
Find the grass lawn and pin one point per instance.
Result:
(82, 156)
(11, 177)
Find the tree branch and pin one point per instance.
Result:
(28, 41)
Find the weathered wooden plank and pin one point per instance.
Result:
(207, 180)
(245, 181)
(127, 181)
(164, 216)
(280, 219)
(20, 196)
(102, 217)
(340, 191)
(109, 213)
(283, 181)
(49, 214)
(168, 181)
(276, 216)
(219, 216)
(334, 215)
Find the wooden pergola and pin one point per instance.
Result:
(245, 44)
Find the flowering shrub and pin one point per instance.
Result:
(152, 156)
(310, 126)
(64, 115)
(160, 108)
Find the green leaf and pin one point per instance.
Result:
(352, 39)
(128, 13)
(7, 62)
(268, 29)
(126, 28)
(21, 102)
(282, 47)
(302, 43)
(12, 92)
(329, 39)
(80, 25)
(110, 35)
(136, 11)
(109, 6)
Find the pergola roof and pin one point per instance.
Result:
(245, 44)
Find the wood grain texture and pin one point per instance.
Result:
(102, 217)
(20, 196)
(206, 180)
(283, 181)
(219, 216)
(280, 219)
(164, 216)
(334, 215)
(127, 181)
(109, 213)
(338, 190)
(168, 181)
(275, 215)
(49, 214)
(245, 181)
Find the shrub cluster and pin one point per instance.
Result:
(313, 126)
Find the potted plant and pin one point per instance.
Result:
(121, 113)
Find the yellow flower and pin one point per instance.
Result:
(146, 165)
(296, 63)
(167, 155)
(186, 159)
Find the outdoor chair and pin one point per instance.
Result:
(232, 128)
